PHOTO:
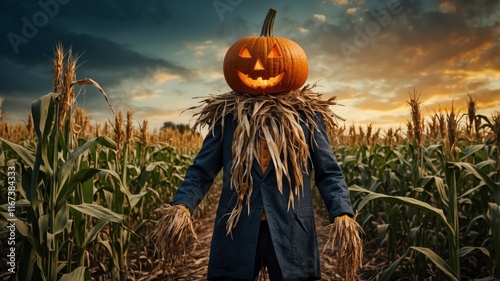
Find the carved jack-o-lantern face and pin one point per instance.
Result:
(258, 67)
(265, 64)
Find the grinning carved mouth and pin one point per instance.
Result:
(259, 82)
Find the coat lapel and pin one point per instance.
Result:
(259, 171)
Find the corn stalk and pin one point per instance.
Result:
(456, 174)
(49, 180)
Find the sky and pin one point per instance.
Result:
(155, 57)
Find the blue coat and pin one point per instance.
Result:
(293, 232)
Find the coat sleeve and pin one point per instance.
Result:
(201, 174)
(328, 175)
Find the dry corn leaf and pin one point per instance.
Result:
(276, 118)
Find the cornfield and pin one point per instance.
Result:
(88, 194)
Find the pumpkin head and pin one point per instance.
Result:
(265, 64)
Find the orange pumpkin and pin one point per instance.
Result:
(265, 64)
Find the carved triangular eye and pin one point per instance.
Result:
(244, 53)
(274, 53)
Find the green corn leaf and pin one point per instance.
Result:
(112, 252)
(27, 189)
(43, 226)
(134, 199)
(495, 187)
(79, 274)
(43, 113)
(147, 171)
(19, 204)
(468, 249)
(79, 228)
(495, 232)
(98, 211)
(382, 230)
(472, 222)
(91, 236)
(387, 273)
(26, 268)
(154, 192)
(87, 188)
(67, 167)
(51, 241)
(22, 203)
(440, 186)
(467, 194)
(27, 155)
(413, 233)
(82, 176)
(42, 110)
(488, 162)
(105, 173)
(402, 200)
(25, 231)
(438, 261)
(61, 220)
(430, 165)
(470, 150)
(452, 175)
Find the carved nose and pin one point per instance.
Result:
(258, 65)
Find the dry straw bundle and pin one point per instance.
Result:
(277, 120)
(346, 245)
(173, 231)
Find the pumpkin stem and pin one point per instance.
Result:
(267, 27)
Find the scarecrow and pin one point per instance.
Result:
(267, 136)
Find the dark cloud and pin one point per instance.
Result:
(238, 28)
(27, 60)
(120, 10)
(155, 11)
(442, 48)
(100, 52)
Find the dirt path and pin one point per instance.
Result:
(195, 263)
